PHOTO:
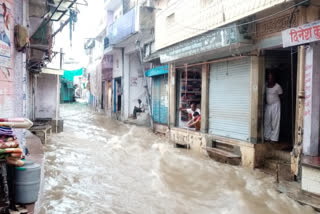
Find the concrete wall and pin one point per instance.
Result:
(117, 13)
(46, 96)
(312, 101)
(251, 154)
(117, 63)
(185, 19)
(136, 89)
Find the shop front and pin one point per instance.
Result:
(159, 97)
(306, 153)
(206, 76)
(107, 72)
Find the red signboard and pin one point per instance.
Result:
(300, 35)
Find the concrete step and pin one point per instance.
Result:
(293, 190)
(282, 168)
(224, 146)
(224, 156)
(272, 164)
(281, 155)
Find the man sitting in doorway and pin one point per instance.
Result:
(193, 108)
(195, 122)
(137, 109)
(272, 109)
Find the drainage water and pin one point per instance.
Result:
(98, 165)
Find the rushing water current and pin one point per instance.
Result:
(98, 165)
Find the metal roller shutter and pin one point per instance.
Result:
(156, 99)
(164, 100)
(229, 99)
(160, 99)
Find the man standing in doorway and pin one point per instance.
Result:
(272, 109)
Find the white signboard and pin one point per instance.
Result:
(300, 35)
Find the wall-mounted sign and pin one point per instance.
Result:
(300, 35)
(209, 41)
(134, 81)
(6, 61)
(6, 31)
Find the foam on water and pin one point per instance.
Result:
(98, 165)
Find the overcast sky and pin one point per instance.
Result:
(86, 27)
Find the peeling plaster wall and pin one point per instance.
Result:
(20, 76)
(46, 96)
(252, 155)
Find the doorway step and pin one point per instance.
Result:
(143, 119)
(293, 190)
(225, 153)
(277, 163)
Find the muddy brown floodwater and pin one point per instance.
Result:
(98, 165)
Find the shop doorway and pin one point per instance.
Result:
(109, 95)
(283, 64)
(103, 97)
(188, 92)
(117, 95)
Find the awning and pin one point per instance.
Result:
(52, 71)
(69, 75)
(157, 71)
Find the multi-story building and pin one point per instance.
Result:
(219, 53)
(129, 27)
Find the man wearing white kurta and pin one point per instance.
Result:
(272, 110)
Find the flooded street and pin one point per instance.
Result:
(98, 165)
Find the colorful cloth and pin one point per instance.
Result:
(5, 138)
(6, 131)
(9, 144)
(10, 150)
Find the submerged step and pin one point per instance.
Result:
(224, 156)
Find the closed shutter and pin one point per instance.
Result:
(156, 99)
(160, 99)
(164, 99)
(229, 99)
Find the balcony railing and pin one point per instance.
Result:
(123, 27)
(138, 19)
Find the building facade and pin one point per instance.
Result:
(219, 56)
(130, 27)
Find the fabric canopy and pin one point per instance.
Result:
(69, 75)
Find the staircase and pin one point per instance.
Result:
(225, 153)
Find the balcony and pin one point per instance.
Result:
(137, 20)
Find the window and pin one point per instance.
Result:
(171, 19)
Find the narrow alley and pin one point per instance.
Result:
(99, 165)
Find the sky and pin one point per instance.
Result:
(86, 27)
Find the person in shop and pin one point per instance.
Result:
(195, 122)
(193, 108)
(272, 109)
(137, 109)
